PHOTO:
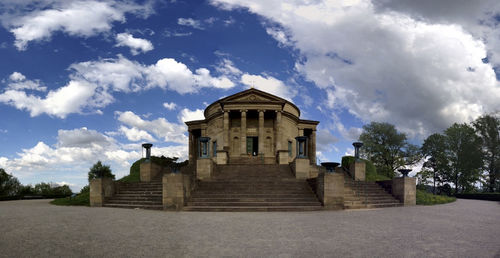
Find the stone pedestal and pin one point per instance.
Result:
(283, 157)
(100, 188)
(148, 171)
(330, 187)
(301, 168)
(357, 170)
(404, 189)
(221, 157)
(204, 168)
(174, 191)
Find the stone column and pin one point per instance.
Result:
(261, 132)
(301, 131)
(278, 130)
(191, 148)
(226, 130)
(312, 154)
(243, 133)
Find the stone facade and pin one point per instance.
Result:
(252, 125)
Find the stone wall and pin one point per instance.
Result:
(405, 189)
(101, 188)
(149, 171)
(330, 189)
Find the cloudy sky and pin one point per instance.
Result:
(82, 81)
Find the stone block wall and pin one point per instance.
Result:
(100, 188)
(176, 190)
(330, 190)
(149, 171)
(357, 170)
(405, 189)
(204, 168)
(301, 168)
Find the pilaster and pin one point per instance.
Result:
(243, 132)
(261, 131)
(226, 130)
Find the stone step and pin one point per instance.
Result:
(258, 204)
(135, 197)
(144, 202)
(372, 206)
(127, 191)
(361, 201)
(250, 195)
(138, 195)
(255, 199)
(255, 208)
(371, 198)
(134, 206)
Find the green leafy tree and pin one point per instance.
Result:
(488, 129)
(464, 155)
(9, 185)
(387, 148)
(434, 150)
(99, 170)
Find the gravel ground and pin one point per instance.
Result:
(35, 228)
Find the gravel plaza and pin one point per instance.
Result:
(35, 228)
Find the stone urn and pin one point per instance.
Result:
(330, 166)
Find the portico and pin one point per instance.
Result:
(252, 126)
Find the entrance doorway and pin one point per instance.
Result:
(253, 146)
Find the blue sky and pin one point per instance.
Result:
(87, 80)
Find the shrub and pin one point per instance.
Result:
(163, 161)
(99, 170)
(425, 198)
(81, 199)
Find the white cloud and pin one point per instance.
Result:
(160, 127)
(136, 45)
(134, 134)
(72, 98)
(76, 18)
(269, 84)
(82, 137)
(325, 140)
(419, 74)
(191, 115)
(190, 23)
(92, 84)
(17, 81)
(170, 106)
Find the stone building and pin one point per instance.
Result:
(251, 126)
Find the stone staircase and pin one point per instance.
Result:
(361, 195)
(141, 195)
(256, 187)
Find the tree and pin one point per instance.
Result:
(488, 129)
(99, 170)
(9, 185)
(388, 149)
(464, 156)
(434, 150)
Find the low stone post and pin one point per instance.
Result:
(204, 168)
(301, 168)
(149, 170)
(405, 189)
(283, 157)
(357, 170)
(100, 188)
(330, 187)
(174, 191)
(221, 157)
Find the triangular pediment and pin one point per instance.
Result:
(252, 95)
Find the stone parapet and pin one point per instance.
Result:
(301, 168)
(174, 191)
(149, 170)
(204, 168)
(100, 188)
(221, 157)
(283, 157)
(357, 170)
(404, 189)
(330, 190)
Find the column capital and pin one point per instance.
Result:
(243, 110)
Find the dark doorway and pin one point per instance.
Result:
(253, 146)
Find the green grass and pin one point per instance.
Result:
(425, 198)
(370, 170)
(81, 199)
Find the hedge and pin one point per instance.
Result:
(480, 196)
